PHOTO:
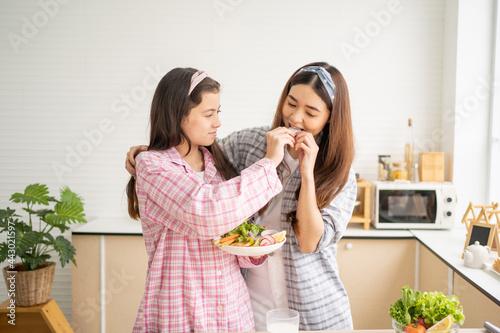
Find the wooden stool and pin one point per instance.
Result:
(42, 318)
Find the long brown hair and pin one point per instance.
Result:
(171, 104)
(336, 146)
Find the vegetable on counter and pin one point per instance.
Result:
(426, 308)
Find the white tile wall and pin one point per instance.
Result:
(77, 77)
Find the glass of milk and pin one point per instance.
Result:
(282, 321)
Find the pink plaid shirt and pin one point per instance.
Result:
(192, 285)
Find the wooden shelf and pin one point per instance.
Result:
(361, 212)
(41, 318)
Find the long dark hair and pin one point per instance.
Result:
(171, 104)
(336, 148)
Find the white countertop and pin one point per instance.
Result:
(446, 244)
(110, 226)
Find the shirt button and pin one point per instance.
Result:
(220, 308)
(219, 273)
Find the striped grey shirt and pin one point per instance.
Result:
(312, 279)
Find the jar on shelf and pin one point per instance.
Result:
(399, 171)
(384, 167)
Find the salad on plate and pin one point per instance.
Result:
(250, 239)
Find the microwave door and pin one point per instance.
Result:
(407, 206)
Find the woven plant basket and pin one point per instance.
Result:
(29, 288)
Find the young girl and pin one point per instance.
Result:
(184, 201)
(315, 205)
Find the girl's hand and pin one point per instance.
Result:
(308, 150)
(130, 160)
(277, 139)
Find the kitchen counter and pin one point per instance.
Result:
(110, 226)
(448, 246)
(445, 244)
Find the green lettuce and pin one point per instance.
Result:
(431, 306)
(244, 229)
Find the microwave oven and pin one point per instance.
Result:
(425, 205)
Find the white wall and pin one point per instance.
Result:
(77, 77)
(471, 115)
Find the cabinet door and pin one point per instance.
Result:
(433, 272)
(477, 307)
(373, 272)
(85, 284)
(125, 266)
(125, 275)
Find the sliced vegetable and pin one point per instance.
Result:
(242, 244)
(229, 238)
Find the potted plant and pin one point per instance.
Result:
(30, 281)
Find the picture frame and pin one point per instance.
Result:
(486, 234)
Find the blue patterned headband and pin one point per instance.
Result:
(324, 76)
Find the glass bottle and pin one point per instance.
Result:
(409, 151)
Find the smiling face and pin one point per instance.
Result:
(305, 110)
(202, 122)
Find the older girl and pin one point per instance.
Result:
(315, 205)
(186, 194)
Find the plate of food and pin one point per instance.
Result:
(250, 239)
(495, 266)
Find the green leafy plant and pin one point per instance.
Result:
(32, 240)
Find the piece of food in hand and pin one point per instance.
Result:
(294, 130)
(414, 328)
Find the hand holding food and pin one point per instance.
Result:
(277, 139)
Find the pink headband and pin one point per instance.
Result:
(196, 79)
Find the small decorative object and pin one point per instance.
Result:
(431, 167)
(483, 226)
(476, 255)
(481, 213)
(31, 241)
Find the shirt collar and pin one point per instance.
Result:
(210, 169)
